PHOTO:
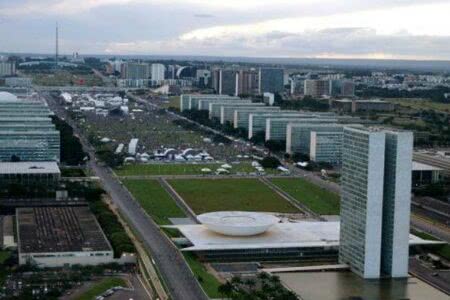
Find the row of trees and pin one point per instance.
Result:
(71, 149)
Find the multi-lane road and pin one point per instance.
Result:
(180, 281)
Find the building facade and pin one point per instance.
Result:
(158, 72)
(375, 201)
(316, 87)
(270, 80)
(326, 147)
(228, 82)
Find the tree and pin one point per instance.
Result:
(270, 162)
(275, 146)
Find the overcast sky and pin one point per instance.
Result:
(404, 29)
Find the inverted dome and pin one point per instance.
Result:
(237, 223)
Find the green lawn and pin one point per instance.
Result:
(101, 286)
(208, 282)
(421, 104)
(154, 199)
(180, 169)
(205, 195)
(315, 198)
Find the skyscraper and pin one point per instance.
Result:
(375, 200)
(158, 72)
(228, 82)
(270, 80)
(134, 70)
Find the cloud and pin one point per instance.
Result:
(334, 42)
(316, 28)
(204, 16)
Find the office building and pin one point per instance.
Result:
(227, 110)
(375, 201)
(423, 174)
(276, 127)
(134, 70)
(228, 82)
(326, 147)
(61, 236)
(7, 68)
(26, 131)
(41, 174)
(203, 78)
(215, 108)
(270, 80)
(348, 105)
(316, 87)
(257, 120)
(240, 118)
(298, 135)
(248, 82)
(342, 88)
(158, 72)
(191, 101)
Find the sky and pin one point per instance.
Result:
(378, 29)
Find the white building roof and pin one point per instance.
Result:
(417, 166)
(281, 235)
(7, 97)
(29, 167)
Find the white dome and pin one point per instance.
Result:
(5, 96)
(237, 223)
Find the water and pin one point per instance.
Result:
(348, 286)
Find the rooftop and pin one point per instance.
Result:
(281, 235)
(7, 97)
(417, 166)
(59, 229)
(29, 167)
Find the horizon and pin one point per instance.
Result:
(326, 29)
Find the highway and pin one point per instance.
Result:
(179, 279)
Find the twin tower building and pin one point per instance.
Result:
(375, 201)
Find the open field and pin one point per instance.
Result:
(154, 200)
(208, 282)
(315, 198)
(421, 104)
(102, 286)
(181, 169)
(206, 195)
(62, 78)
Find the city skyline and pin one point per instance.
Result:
(417, 30)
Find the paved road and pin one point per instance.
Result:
(180, 281)
(438, 281)
(434, 228)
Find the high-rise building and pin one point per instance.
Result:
(342, 88)
(133, 70)
(375, 201)
(158, 72)
(203, 77)
(228, 82)
(7, 68)
(26, 131)
(247, 82)
(316, 87)
(270, 80)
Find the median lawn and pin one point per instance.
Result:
(154, 200)
(205, 195)
(314, 197)
(209, 283)
(102, 286)
(181, 169)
